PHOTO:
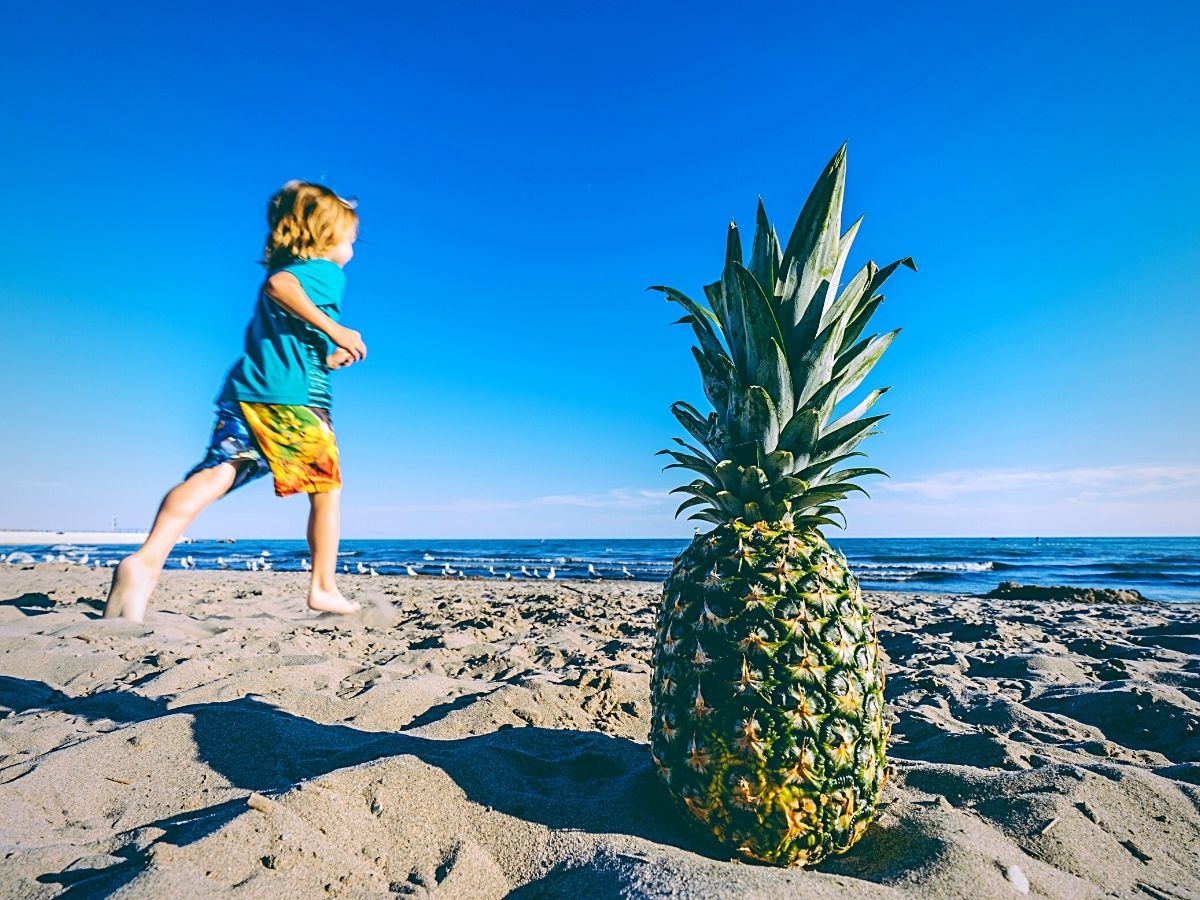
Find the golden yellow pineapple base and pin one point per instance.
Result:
(768, 693)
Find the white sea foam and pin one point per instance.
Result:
(915, 567)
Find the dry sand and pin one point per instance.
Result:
(484, 739)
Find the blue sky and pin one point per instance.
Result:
(525, 170)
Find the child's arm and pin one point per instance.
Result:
(284, 289)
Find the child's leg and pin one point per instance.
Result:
(135, 577)
(324, 523)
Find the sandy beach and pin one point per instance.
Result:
(471, 738)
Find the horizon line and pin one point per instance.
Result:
(872, 537)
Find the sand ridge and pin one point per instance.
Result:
(479, 738)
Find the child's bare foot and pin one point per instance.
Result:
(133, 583)
(331, 602)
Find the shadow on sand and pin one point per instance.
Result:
(561, 778)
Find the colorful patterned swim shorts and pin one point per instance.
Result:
(294, 443)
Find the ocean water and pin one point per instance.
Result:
(1161, 568)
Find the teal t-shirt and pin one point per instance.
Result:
(284, 357)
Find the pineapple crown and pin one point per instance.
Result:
(779, 349)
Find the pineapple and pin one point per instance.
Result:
(768, 713)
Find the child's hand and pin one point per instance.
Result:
(339, 359)
(349, 340)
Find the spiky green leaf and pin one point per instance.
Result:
(860, 296)
(765, 254)
(764, 342)
(729, 474)
(757, 422)
(705, 430)
(813, 242)
(839, 439)
(860, 472)
(859, 365)
(831, 511)
(703, 322)
(702, 453)
(813, 472)
(804, 522)
(754, 482)
(730, 503)
(689, 504)
(720, 380)
(843, 487)
(855, 414)
(858, 323)
(778, 463)
(799, 437)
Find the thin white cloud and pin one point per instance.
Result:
(1080, 485)
(618, 498)
(615, 499)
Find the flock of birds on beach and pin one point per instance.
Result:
(263, 563)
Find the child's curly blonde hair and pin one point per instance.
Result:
(304, 221)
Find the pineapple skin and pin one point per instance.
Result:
(767, 695)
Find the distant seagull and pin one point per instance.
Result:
(191, 562)
(81, 561)
(410, 570)
(625, 571)
(265, 553)
(346, 568)
(491, 570)
(550, 574)
(362, 570)
(446, 570)
(221, 564)
(306, 565)
(372, 571)
(592, 573)
(524, 571)
(183, 563)
(95, 563)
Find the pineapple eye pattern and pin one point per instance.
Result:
(770, 722)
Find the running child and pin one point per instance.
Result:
(273, 409)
